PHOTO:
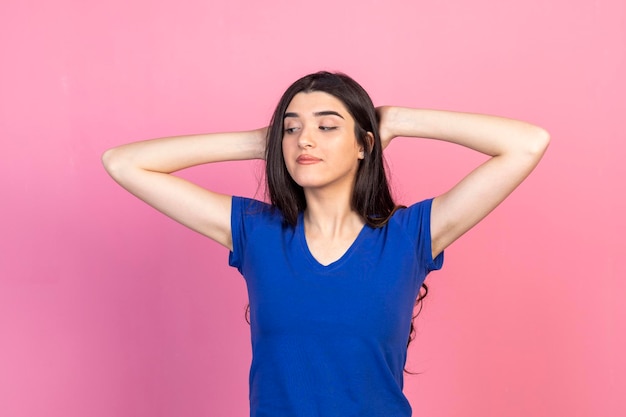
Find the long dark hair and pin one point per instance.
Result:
(371, 197)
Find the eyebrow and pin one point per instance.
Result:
(316, 114)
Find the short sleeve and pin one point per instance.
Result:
(246, 214)
(238, 233)
(415, 221)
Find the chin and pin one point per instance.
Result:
(313, 180)
(309, 183)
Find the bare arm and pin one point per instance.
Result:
(145, 169)
(515, 148)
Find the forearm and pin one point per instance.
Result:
(515, 148)
(171, 154)
(490, 135)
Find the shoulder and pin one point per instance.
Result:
(250, 206)
(413, 215)
(248, 214)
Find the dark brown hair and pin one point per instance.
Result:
(371, 197)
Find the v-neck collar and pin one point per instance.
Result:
(315, 264)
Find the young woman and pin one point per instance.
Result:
(333, 267)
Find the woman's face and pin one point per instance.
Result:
(319, 145)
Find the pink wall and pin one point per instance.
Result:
(109, 309)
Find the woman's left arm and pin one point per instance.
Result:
(515, 148)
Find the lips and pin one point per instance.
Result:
(307, 160)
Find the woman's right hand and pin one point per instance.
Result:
(385, 124)
(145, 169)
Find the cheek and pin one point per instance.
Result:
(290, 148)
(286, 145)
(287, 150)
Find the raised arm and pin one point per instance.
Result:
(515, 148)
(145, 169)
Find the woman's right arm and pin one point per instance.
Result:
(145, 168)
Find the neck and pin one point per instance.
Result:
(330, 213)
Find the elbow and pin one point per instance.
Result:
(106, 159)
(113, 162)
(539, 141)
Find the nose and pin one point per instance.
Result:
(305, 139)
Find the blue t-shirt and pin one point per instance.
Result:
(330, 340)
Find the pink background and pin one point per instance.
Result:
(107, 308)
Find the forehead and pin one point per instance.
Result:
(316, 101)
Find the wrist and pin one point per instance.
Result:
(387, 122)
(260, 142)
(408, 122)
